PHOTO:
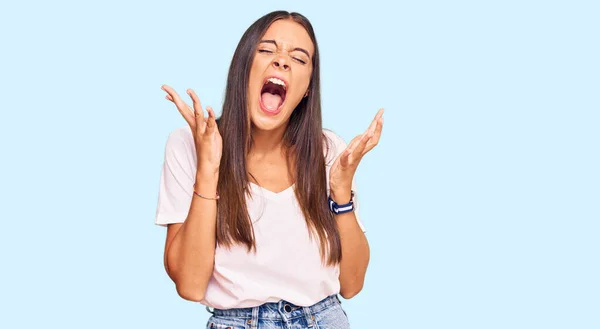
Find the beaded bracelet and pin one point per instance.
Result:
(203, 197)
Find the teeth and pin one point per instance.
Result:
(278, 82)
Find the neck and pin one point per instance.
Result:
(267, 142)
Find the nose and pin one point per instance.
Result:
(281, 63)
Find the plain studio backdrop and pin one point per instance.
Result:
(481, 202)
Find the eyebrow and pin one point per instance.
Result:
(295, 49)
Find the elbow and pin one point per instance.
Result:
(192, 290)
(350, 292)
(193, 294)
(191, 286)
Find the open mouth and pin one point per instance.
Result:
(272, 94)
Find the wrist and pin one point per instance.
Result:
(206, 169)
(341, 196)
(206, 180)
(342, 207)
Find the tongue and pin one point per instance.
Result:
(271, 101)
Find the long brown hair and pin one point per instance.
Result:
(304, 135)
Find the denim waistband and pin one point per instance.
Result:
(277, 310)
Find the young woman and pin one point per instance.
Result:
(260, 203)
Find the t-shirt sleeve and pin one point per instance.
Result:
(337, 145)
(176, 179)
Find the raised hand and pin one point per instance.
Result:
(207, 139)
(342, 171)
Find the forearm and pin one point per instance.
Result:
(190, 257)
(355, 253)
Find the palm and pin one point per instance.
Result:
(207, 139)
(343, 168)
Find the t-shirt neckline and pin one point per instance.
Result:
(273, 195)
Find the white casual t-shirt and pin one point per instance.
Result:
(287, 263)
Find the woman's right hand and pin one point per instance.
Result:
(208, 141)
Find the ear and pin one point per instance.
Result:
(306, 94)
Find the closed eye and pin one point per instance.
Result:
(266, 51)
(299, 60)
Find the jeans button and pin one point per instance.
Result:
(287, 308)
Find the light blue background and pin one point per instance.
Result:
(481, 201)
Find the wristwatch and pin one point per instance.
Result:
(341, 208)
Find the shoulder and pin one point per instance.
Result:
(333, 139)
(180, 148)
(333, 145)
(180, 140)
(183, 133)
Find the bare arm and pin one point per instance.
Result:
(355, 253)
(355, 248)
(190, 246)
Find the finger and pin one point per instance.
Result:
(353, 142)
(168, 97)
(357, 153)
(344, 158)
(373, 124)
(198, 111)
(181, 105)
(211, 123)
(349, 149)
(173, 96)
(372, 130)
(374, 140)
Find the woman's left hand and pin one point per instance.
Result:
(342, 171)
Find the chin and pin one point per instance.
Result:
(268, 121)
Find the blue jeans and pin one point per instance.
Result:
(326, 314)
